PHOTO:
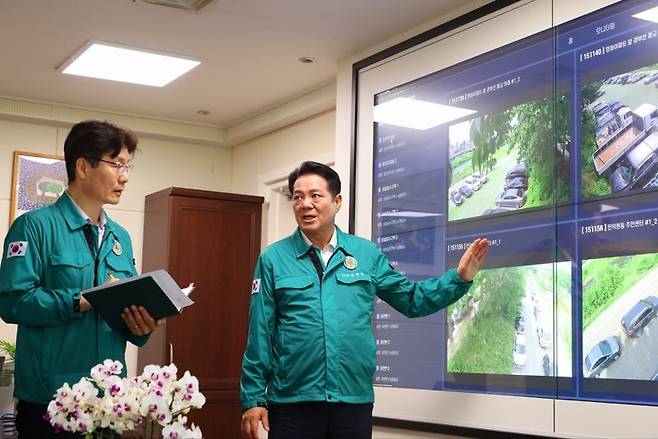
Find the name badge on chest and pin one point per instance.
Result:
(117, 248)
(350, 263)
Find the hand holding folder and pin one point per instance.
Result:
(156, 291)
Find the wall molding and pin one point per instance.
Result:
(61, 115)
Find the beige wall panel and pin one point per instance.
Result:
(260, 162)
(284, 148)
(160, 164)
(17, 136)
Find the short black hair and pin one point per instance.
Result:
(324, 171)
(92, 139)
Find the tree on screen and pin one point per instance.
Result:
(486, 345)
(488, 133)
(592, 183)
(542, 137)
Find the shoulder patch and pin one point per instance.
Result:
(255, 286)
(17, 248)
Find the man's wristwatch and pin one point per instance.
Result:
(76, 302)
(261, 404)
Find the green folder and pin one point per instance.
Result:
(156, 291)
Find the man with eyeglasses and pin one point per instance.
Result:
(52, 254)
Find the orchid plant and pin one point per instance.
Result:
(105, 403)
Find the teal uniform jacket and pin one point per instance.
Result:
(311, 339)
(45, 265)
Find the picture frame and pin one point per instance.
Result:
(37, 180)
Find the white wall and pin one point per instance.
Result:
(159, 164)
(262, 164)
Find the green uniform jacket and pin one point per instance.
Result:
(312, 340)
(56, 344)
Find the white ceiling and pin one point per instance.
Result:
(249, 47)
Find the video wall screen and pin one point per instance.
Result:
(548, 147)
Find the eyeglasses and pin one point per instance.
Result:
(122, 168)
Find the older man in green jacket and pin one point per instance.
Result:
(52, 254)
(310, 357)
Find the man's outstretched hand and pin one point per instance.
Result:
(472, 258)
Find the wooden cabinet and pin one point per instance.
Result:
(213, 240)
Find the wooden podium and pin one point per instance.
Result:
(213, 240)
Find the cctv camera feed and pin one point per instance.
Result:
(504, 324)
(620, 331)
(619, 140)
(548, 147)
(501, 163)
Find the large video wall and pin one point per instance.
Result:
(548, 147)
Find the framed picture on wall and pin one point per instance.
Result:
(37, 180)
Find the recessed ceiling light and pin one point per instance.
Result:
(417, 114)
(127, 64)
(306, 60)
(648, 15)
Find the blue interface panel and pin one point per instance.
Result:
(547, 147)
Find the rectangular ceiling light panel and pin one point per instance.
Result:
(417, 114)
(127, 64)
(648, 15)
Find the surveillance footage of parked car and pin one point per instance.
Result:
(620, 328)
(619, 134)
(500, 162)
(505, 324)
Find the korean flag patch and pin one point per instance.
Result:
(255, 286)
(18, 248)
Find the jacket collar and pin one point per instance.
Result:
(70, 212)
(301, 247)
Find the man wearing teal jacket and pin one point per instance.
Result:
(310, 358)
(52, 254)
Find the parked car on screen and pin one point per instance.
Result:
(495, 210)
(596, 106)
(603, 120)
(653, 183)
(544, 334)
(473, 182)
(620, 179)
(600, 356)
(517, 183)
(639, 315)
(511, 198)
(519, 350)
(519, 323)
(480, 176)
(651, 78)
(546, 365)
(517, 171)
(456, 198)
(465, 190)
(602, 110)
(616, 105)
(637, 77)
(643, 161)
